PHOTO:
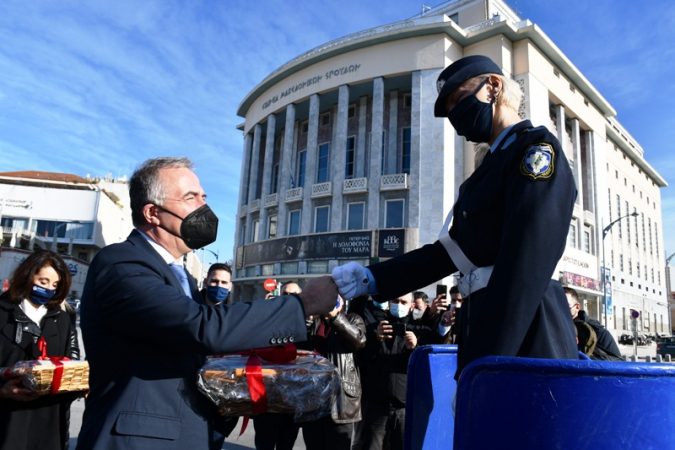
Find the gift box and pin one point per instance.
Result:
(303, 384)
(50, 376)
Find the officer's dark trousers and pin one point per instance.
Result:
(383, 427)
(275, 431)
(324, 434)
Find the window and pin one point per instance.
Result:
(407, 100)
(294, 222)
(12, 224)
(349, 159)
(274, 186)
(618, 212)
(304, 126)
(267, 269)
(405, 150)
(355, 216)
(322, 171)
(317, 266)
(242, 233)
(272, 227)
(75, 230)
(572, 234)
(289, 268)
(325, 118)
(351, 111)
(393, 213)
(587, 239)
(300, 176)
(627, 224)
(255, 228)
(630, 266)
(321, 219)
(621, 263)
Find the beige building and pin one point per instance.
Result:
(343, 159)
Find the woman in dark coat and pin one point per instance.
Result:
(31, 309)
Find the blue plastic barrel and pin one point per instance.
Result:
(525, 403)
(429, 423)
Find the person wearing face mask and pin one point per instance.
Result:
(509, 230)
(30, 311)
(217, 284)
(384, 380)
(146, 332)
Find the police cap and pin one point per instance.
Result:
(457, 73)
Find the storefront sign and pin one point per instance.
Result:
(351, 245)
(574, 279)
(391, 243)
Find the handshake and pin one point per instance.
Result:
(348, 281)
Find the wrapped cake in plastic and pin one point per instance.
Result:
(271, 380)
(51, 375)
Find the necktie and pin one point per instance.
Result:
(180, 273)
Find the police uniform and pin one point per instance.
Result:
(513, 213)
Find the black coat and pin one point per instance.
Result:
(519, 224)
(344, 335)
(146, 340)
(41, 423)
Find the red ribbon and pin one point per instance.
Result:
(56, 360)
(254, 376)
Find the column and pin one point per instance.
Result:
(267, 173)
(310, 165)
(578, 174)
(286, 169)
(560, 125)
(243, 186)
(339, 157)
(360, 155)
(253, 178)
(375, 172)
(392, 132)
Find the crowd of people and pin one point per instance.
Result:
(147, 328)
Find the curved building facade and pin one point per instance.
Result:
(343, 159)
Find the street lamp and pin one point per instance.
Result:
(604, 269)
(669, 295)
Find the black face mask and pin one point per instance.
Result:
(473, 118)
(199, 228)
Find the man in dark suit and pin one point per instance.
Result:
(145, 335)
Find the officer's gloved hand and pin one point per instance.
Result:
(354, 280)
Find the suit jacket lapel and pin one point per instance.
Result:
(157, 262)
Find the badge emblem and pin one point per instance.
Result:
(538, 162)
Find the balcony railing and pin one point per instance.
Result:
(355, 186)
(322, 189)
(394, 182)
(271, 200)
(293, 195)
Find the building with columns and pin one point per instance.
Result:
(343, 159)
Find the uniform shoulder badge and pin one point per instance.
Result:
(537, 163)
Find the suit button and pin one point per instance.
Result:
(285, 340)
(465, 214)
(291, 339)
(273, 341)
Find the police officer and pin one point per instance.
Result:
(509, 229)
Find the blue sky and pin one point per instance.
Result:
(95, 87)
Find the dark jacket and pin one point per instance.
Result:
(146, 340)
(606, 342)
(40, 423)
(386, 361)
(344, 335)
(504, 218)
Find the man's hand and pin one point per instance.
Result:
(336, 310)
(410, 340)
(384, 331)
(439, 305)
(352, 280)
(319, 296)
(14, 390)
